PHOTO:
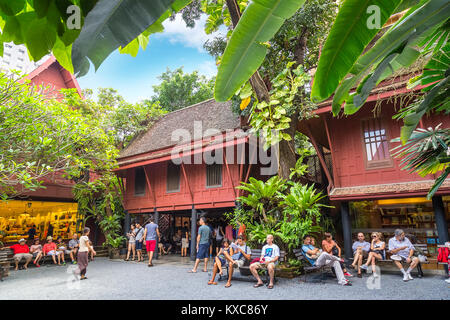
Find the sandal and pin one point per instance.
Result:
(212, 282)
(192, 271)
(270, 286)
(228, 285)
(258, 285)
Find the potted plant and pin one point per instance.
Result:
(114, 245)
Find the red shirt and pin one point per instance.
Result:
(17, 248)
(49, 247)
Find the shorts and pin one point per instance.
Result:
(138, 245)
(222, 260)
(260, 264)
(52, 253)
(25, 256)
(35, 254)
(184, 243)
(150, 245)
(203, 251)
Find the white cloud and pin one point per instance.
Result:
(177, 32)
(208, 68)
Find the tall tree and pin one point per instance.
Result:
(178, 89)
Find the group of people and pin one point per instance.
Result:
(77, 249)
(234, 254)
(399, 246)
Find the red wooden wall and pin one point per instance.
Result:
(349, 168)
(203, 197)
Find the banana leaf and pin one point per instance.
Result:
(348, 37)
(115, 23)
(246, 50)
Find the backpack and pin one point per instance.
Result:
(443, 255)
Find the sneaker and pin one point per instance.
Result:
(37, 265)
(405, 277)
(74, 262)
(364, 267)
(346, 283)
(409, 276)
(348, 274)
(448, 280)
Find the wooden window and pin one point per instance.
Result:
(173, 177)
(376, 144)
(213, 175)
(139, 181)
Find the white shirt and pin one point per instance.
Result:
(270, 252)
(84, 241)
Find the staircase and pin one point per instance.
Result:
(101, 251)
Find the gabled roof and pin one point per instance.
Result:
(195, 120)
(44, 75)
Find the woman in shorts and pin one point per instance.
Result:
(36, 251)
(376, 252)
(221, 259)
(131, 242)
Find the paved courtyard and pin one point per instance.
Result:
(169, 279)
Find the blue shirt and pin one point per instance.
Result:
(204, 232)
(151, 231)
(365, 246)
(305, 249)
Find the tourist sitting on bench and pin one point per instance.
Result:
(241, 254)
(270, 254)
(74, 244)
(221, 259)
(376, 252)
(21, 251)
(320, 259)
(361, 250)
(402, 250)
(331, 247)
(49, 249)
(61, 249)
(36, 251)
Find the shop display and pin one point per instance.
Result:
(18, 217)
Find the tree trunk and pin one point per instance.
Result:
(287, 157)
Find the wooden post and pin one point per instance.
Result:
(193, 233)
(346, 229)
(439, 217)
(156, 217)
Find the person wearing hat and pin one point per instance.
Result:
(49, 249)
(21, 251)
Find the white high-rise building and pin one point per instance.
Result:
(15, 57)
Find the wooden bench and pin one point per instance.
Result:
(6, 258)
(245, 269)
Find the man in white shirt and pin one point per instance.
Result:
(402, 250)
(270, 254)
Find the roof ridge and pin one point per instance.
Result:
(188, 107)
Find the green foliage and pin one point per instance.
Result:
(273, 117)
(47, 26)
(246, 48)
(347, 39)
(40, 136)
(287, 210)
(107, 27)
(178, 89)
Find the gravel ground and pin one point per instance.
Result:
(169, 280)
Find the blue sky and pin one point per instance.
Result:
(134, 77)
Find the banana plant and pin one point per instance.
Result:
(247, 46)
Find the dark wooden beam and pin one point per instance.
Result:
(187, 182)
(150, 189)
(229, 173)
(320, 155)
